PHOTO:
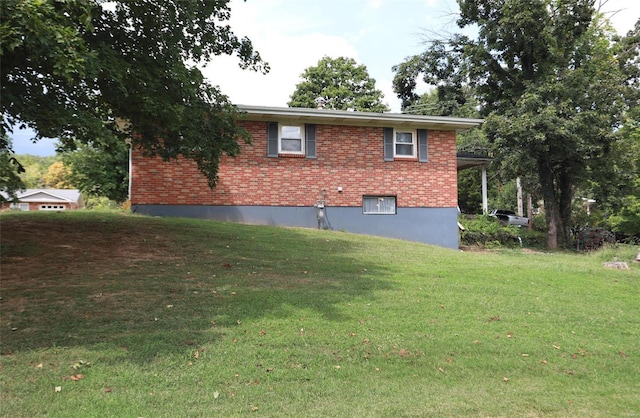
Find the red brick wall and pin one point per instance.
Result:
(350, 157)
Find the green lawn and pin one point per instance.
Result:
(109, 315)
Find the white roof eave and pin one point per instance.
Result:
(341, 117)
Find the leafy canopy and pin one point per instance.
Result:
(545, 76)
(338, 84)
(71, 69)
(100, 171)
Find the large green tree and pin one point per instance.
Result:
(10, 171)
(70, 69)
(545, 75)
(100, 169)
(338, 84)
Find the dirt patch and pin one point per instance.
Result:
(33, 249)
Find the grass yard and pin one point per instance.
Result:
(115, 315)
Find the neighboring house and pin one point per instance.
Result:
(392, 175)
(47, 199)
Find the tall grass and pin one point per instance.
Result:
(114, 315)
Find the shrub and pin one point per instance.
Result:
(590, 239)
(486, 231)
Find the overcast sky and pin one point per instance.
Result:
(292, 35)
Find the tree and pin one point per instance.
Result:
(58, 176)
(338, 84)
(544, 75)
(99, 171)
(72, 69)
(35, 168)
(10, 170)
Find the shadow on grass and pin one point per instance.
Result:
(153, 286)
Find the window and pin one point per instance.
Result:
(19, 206)
(379, 205)
(52, 207)
(405, 144)
(291, 139)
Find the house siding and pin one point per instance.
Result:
(256, 188)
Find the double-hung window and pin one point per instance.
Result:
(291, 139)
(379, 205)
(405, 144)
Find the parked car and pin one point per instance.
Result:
(509, 217)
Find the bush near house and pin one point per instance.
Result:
(487, 232)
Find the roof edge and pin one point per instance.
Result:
(358, 118)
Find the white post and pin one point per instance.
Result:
(130, 171)
(519, 186)
(485, 200)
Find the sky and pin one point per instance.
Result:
(292, 35)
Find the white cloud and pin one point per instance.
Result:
(288, 57)
(288, 42)
(623, 14)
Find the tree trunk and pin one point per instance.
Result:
(551, 210)
(552, 228)
(565, 193)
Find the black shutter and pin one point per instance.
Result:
(423, 149)
(388, 144)
(310, 141)
(272, 139)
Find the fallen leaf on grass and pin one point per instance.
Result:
(39, 366)
(76, 377)
(505, 379)
(107, 390)
(58, 388)
(623, 354)
(216, 394)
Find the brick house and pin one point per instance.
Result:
(46, 199)
(392, 175)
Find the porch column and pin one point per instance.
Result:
(485, 203)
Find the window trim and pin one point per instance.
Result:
(52, 206)
(380, 197)
(301, 127)
(414, 143)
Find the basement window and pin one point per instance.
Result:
(379, 205)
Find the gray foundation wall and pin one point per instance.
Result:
(436, 226)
